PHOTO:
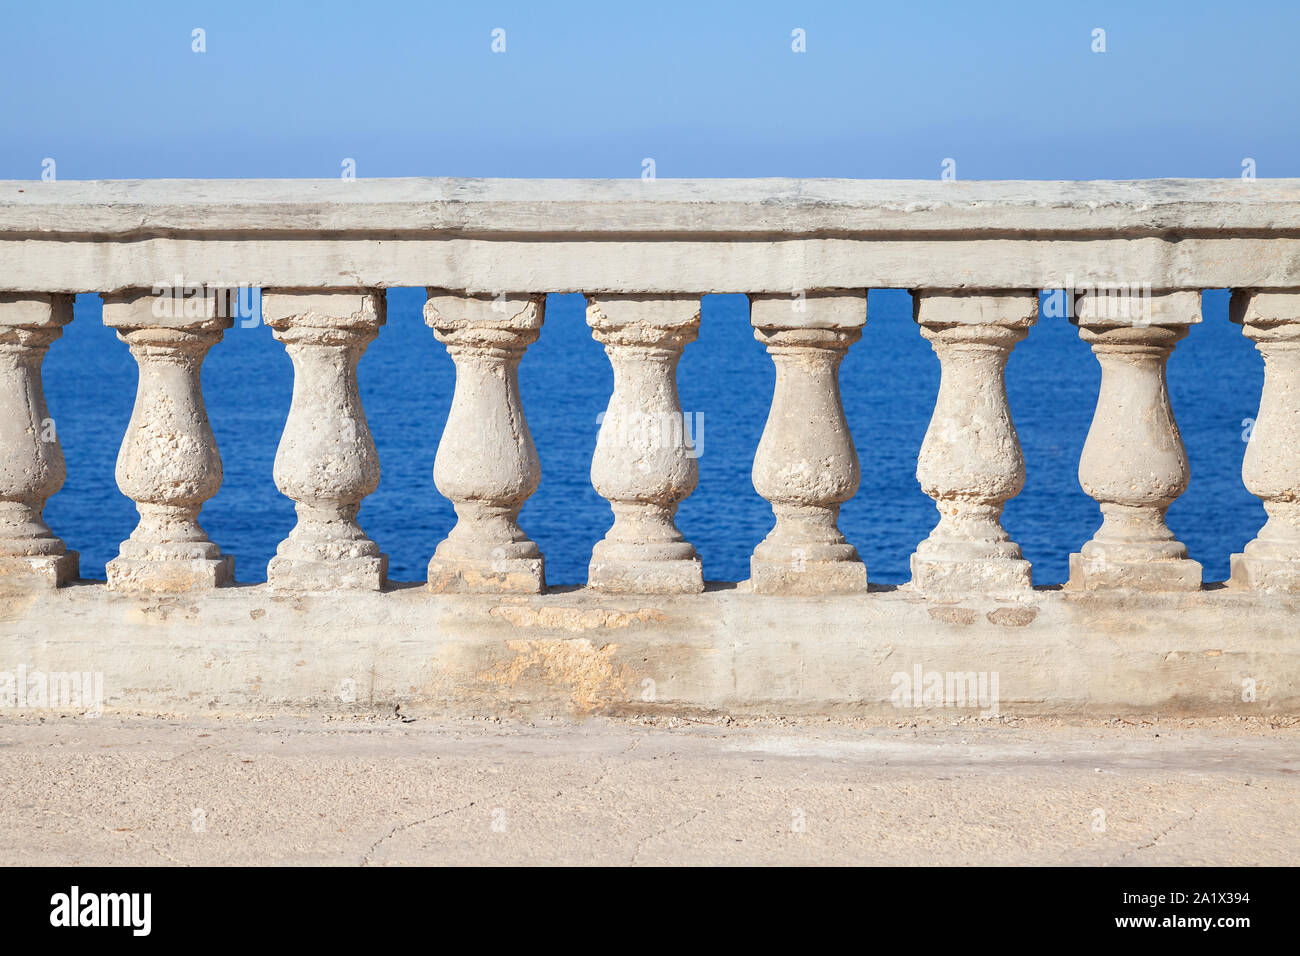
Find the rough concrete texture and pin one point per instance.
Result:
(1224, 651)
(1133, 461)
(168, 464)
(326, 461)
(543, 236)
(1271, 469)
(806, 464)
(644, 465)
(643, 253)
(31, 459)
(1143, 791)
(486, 462)
(128, 208)
(970, 461)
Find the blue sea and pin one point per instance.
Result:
(889, 382)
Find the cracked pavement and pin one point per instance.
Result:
(380, 791)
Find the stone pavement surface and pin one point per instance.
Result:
(382, 791)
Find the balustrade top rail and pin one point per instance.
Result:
(133, 208)
(759, 235)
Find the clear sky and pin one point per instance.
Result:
(1007, 90)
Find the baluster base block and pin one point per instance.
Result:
(39, 571)
(807, 577)
(676, 576)
(493, 576)
(1263, 574)
(170, 574)
(1089, 573)
(992, 577)
(351, 574)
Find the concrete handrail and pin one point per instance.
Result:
(763, 235)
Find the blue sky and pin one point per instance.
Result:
(1008, 90)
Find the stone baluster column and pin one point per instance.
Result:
(169, 464)
(486, 463)
(31, 460)
(806, 465)
(326, 461)
(644, 463)
(1133, 461)
(970, 461)
(1271, 470)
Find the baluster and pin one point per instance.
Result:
(31, 459)
(1133, 461)
(1271, 469)
(644, 463)
(168, 464)
(806, 465)
(326, 461)
(970, 461)
(486, 462)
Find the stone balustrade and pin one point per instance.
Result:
(976, 256)
(1128, 260)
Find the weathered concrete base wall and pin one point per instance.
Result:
(246, 649)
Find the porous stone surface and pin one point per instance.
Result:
(540, 236)
(252, 649)
(125, 207)
(31, 458)
(970, 461)
(806, 464)
(168, 464)
(326, 461)
(1271, 469)
(975, 255)
(22, 572)
(1133, 460)
(644, 463)
(487, 463)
